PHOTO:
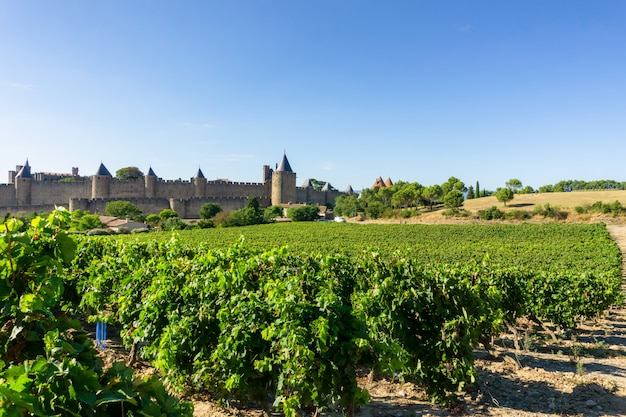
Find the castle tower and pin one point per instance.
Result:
(101, 183)
(283, 183)
(199, 184)
(23, 185)
(308, 186)
(150, 181)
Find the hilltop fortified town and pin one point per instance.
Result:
(29, 192)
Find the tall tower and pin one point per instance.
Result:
(101, 183)
(283, 183)
(199, 184)
(150, 181)
(23, 186)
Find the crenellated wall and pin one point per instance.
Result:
(152, 195)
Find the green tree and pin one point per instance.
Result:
(432, 194)
(209, 210)
(477, 192)
(453, 183)
(513, 184)
(527, 190)
(123, 210)
(306, 213)
(470, 193)
(168, 214)
(152, 220)
(128, 173)
(347, 205)
(504, 195)
(270, 213)
(406, 195)
(453, 199)
(83, 220)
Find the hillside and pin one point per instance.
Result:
(528, 202)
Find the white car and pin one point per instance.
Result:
(340, 220)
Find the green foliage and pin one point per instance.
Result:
(374, 209)
(348, 205)
(167, 214)
(492, 213)
(48, 364)
(83, 220)
(306, 213)
(432, 194)
(293, 328)
(513, 184)
(518, 215)
(504, 195)
(615, 208)
(579, 185)
(453, 199)
(67, 179)
(123, 210)
(128, 173)
(209, 210)
(271, 213)
(172, 223)
(550, 212)
(453, 183)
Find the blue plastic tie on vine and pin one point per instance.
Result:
(101, 335)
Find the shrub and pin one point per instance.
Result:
(492, 213)
(518, 215)
(306, 213)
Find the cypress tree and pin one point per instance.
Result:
(477, 192)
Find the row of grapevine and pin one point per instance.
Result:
(48, 363)
(574, 247)
(294, 329)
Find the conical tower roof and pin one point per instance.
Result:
(24, 172)
(284, 165)
(388, 183)
(379, 183)
(326, 187)
(103, 171)
(349, 190)
(150, 173)
(199, 174)
(307, 184)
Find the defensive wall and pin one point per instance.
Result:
(30, 193)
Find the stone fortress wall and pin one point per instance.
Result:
(40, 192)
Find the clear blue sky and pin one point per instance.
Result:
(352, 90)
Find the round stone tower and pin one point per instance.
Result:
(23, 186)
(101, 183)
(283, 183)
(199, 184)
(150, 181)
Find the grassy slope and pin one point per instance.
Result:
(528, 202)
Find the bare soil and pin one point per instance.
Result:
(583, 374)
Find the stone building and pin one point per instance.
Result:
(41, 192)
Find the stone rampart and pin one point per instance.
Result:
(7, 195)
(59, 193)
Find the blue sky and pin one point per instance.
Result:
(351, 90)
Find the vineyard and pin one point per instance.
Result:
(288, 316)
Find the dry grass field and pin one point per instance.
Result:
(529, 202)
